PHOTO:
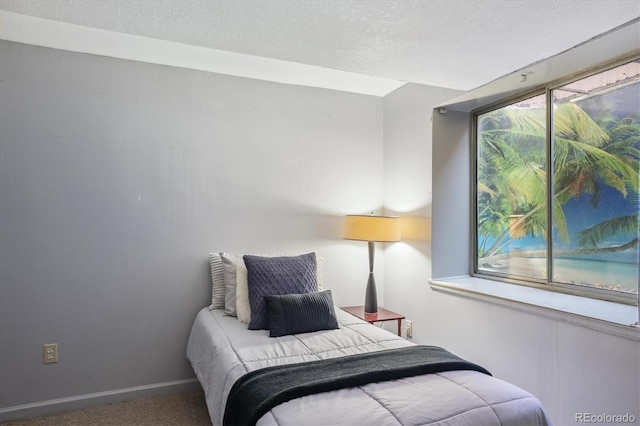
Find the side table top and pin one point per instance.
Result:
(382, 315)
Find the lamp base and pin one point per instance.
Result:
(371, 297)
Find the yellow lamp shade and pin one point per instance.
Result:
(382, 229)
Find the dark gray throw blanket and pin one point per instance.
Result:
(258, 391)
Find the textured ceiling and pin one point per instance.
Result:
(451, 43)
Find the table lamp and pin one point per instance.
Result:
(370, 228)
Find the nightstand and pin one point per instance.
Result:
(381, 316)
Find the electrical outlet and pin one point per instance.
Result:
(50, 353)
(408, 328)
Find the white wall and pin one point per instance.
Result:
(571, 369)
(408, 194)
(117, 178)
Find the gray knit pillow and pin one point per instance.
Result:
(268, 276)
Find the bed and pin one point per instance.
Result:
(224, 351)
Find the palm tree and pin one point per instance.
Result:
(624, 136)
(512, 177)
(510, 173)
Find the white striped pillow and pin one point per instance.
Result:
(217, 281)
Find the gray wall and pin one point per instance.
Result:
(451, 182)
(117, 178)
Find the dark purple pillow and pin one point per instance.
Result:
(268, 276)
(300, 313)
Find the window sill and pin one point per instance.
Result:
(609, 317)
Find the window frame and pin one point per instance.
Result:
(548, 283)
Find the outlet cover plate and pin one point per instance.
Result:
(409, 329)
(50, 353)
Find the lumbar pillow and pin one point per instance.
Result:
(268, 276)
(300, 313)
(217, 281)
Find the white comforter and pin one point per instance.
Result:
(221, 349)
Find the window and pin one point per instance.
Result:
(585, 135)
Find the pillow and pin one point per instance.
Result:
(243, 309)
(230, 262)
(319, 274)
(217, 281)
(300, 313)
(268, 276)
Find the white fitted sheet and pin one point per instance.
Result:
(221, 349)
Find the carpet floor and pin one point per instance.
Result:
(184, 409)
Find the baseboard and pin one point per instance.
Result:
(55, 406)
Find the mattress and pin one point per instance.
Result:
(221, 349)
